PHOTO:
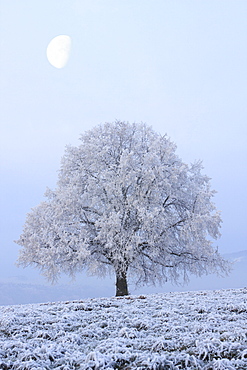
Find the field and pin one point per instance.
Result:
(192, 330)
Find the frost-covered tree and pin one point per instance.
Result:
(125, 203)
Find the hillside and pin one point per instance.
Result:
(186, 330)
(14, 290)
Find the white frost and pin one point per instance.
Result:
(192, 330)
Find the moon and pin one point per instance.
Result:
(58, 51)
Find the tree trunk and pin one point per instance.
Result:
(121, 284)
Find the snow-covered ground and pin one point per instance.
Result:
(181, 330)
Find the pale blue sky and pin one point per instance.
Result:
(180, 66)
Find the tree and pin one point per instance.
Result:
(125, 202)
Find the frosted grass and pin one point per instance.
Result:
(191, 330)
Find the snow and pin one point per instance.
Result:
(188, 330)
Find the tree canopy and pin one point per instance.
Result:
(125, 203)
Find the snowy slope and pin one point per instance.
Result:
(188, 330)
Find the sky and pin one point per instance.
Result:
(179, 66)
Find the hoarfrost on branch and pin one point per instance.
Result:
(125, 203)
